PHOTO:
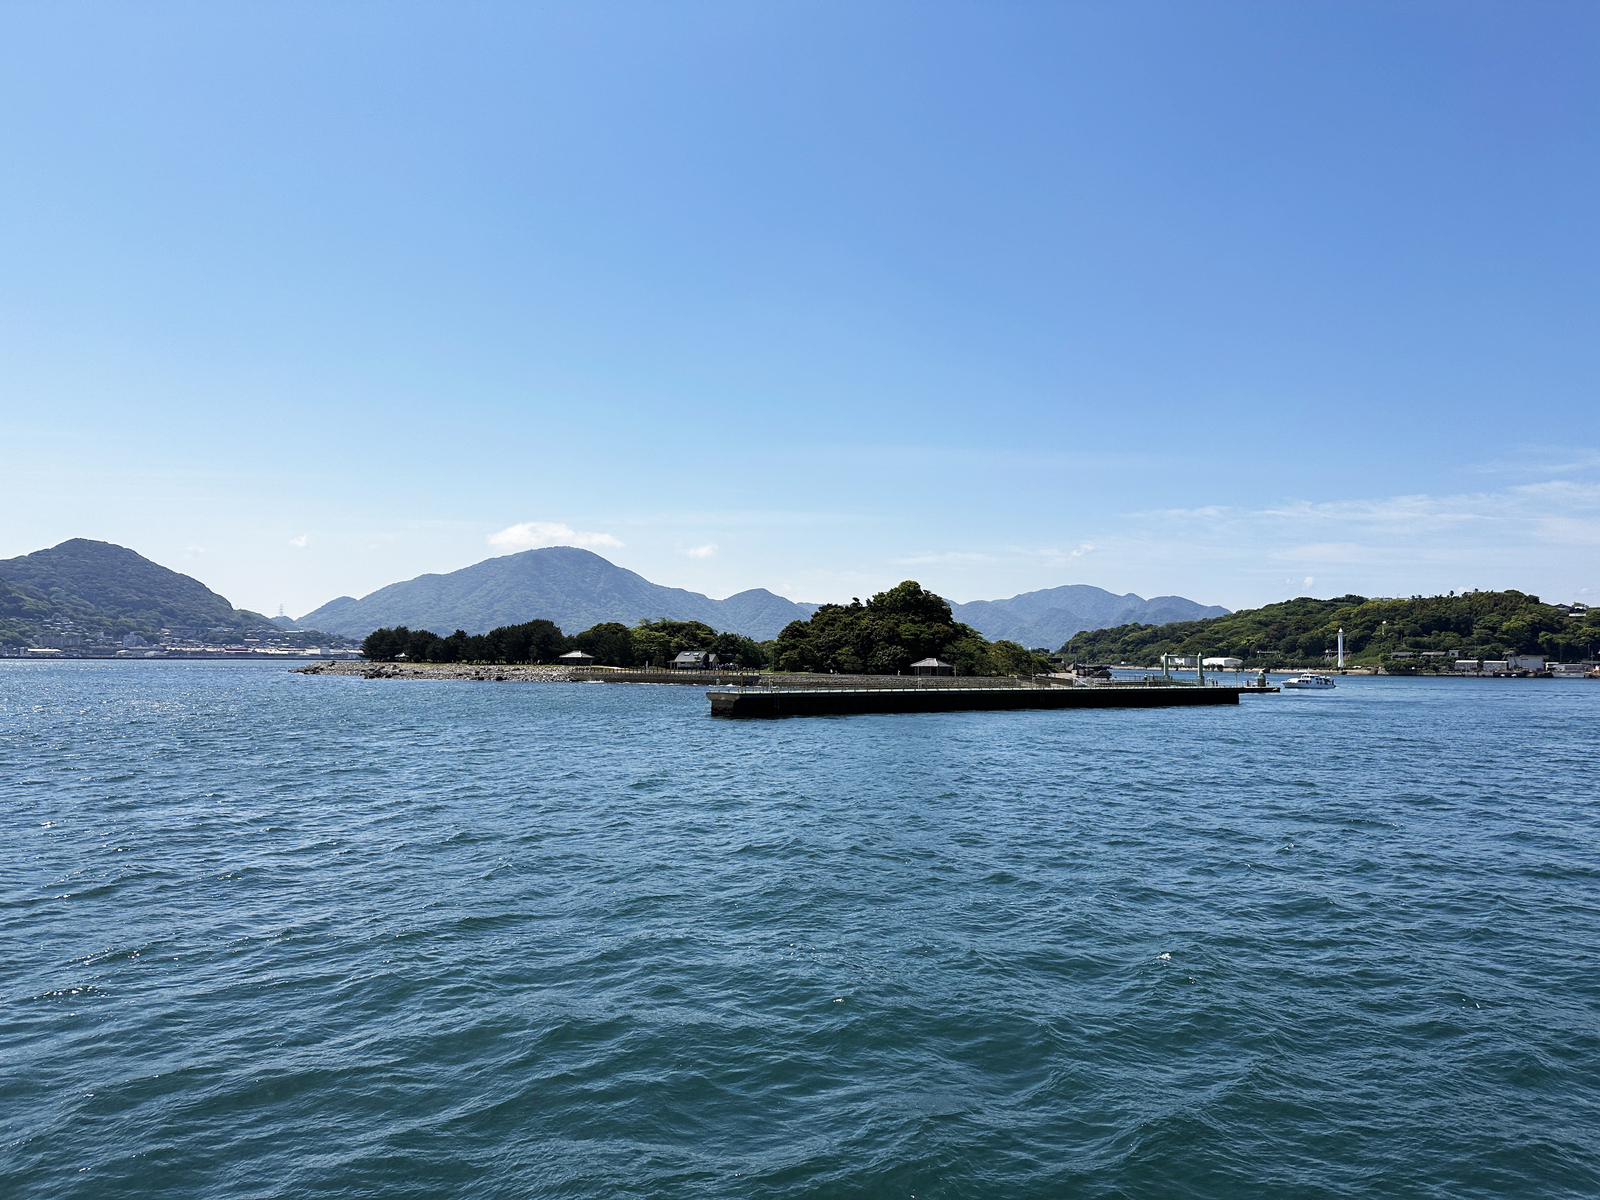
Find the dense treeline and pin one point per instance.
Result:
(648, 644)
(891, 631)
(883, 636)
(1305, 632)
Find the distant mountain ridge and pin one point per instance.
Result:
(98, 588)
(578, 589)
(101, 588)
(1048, 618)
(574, 588)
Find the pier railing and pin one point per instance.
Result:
(712, 678)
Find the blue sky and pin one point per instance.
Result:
(1234, 301)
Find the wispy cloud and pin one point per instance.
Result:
(1513, 535)
(530, 534)
(1321, 552)
(705, 551)
(1540, 460)
(948, 556)
(1524, 510)
(301, 540)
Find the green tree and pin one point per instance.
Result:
(423, 646)
(383, 645)
(611, 643)
(888, 633)
(738, 650)
(657, 643)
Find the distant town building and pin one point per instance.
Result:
(1224, 664)
(694, 660)
(1525, 662)
(932, 666)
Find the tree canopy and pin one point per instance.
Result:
(612, 644)
(891, 631)
(1305, 631)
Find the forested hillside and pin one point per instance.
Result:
(100, 589)
(1304, 632)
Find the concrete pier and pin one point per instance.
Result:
(763, 702)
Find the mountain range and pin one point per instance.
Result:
(577, 589)
(574, 588)
(1049, 617)
(98, 588)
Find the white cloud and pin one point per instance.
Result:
(705, 551)
(301, 540)
(530, 534)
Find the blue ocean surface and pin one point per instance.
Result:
(273, 935)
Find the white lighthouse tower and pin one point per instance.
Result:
(1341, 647)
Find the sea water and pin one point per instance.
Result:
(266, 934)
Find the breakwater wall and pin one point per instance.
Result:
(798, 702)
(766, 679)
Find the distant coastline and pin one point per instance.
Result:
(168, 653)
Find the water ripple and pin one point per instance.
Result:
(270, 935)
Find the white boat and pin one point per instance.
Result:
(1309, 682)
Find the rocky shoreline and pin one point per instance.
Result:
(477, 671)
(489, 672)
